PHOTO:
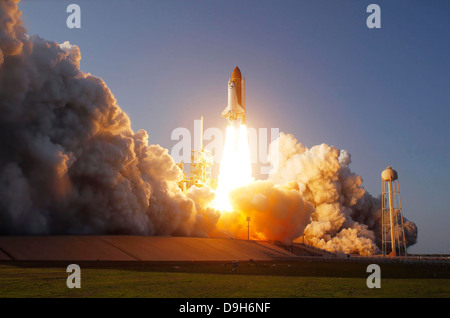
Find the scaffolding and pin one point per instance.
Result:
(200, 171)
(201, 164)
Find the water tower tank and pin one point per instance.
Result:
(389, 174)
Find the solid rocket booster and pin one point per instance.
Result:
(236, 98)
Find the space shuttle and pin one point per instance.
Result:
(236, 98)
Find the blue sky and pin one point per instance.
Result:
(312, 69)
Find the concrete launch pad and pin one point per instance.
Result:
(134, 248)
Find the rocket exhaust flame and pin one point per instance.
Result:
(235, 166)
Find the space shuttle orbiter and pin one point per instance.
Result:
(236, 98)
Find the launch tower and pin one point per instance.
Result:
(201, 163)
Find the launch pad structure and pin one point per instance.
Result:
(201, 164)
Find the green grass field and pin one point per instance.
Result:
(211, 280)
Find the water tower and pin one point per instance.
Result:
(393, 233)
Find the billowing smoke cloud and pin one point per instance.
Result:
(69, 161)
(346, 219)
(277, 212)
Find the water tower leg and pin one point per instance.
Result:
(391, 212)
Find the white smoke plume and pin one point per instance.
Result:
(346, 219)
(69, 161)
(277, 212)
